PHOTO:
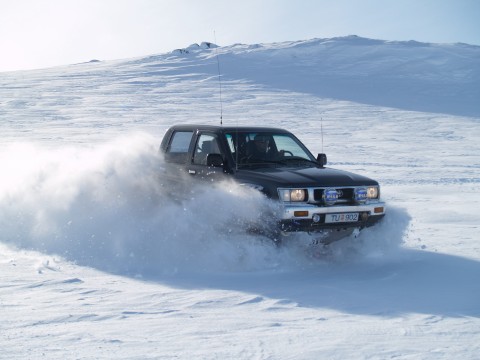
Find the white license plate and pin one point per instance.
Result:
(341, 218)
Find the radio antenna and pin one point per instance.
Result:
(321, 131)
(219, 78)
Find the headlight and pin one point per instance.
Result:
(289, 195)
(373, 192)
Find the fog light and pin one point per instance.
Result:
(360, 195)
(316, 218)
(330, 196)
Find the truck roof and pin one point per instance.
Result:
(220, 128)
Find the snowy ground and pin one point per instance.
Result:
(97, 260)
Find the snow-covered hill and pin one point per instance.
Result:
(98, 260)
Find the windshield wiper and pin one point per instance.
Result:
(285, 161)
(262, 163)
(298, 159)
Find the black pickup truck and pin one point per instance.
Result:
(313, 198)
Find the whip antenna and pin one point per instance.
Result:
(219, 78)
(321, 131)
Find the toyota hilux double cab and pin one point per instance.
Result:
(313, 198)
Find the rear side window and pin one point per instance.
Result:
(180, 142)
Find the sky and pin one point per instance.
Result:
(44, 33)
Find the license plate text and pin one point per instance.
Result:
(339, 218)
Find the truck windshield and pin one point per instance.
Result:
(250, 148)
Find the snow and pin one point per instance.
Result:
(100, 258)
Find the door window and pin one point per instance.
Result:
(206, 144)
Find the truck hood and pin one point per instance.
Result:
(302, 177)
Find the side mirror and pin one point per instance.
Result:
(322, 159)
(215, 160)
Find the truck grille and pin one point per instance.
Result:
(345, 195)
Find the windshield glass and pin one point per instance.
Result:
(249, 148)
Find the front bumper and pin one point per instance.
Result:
(311, 218)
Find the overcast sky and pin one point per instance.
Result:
(43, 33)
